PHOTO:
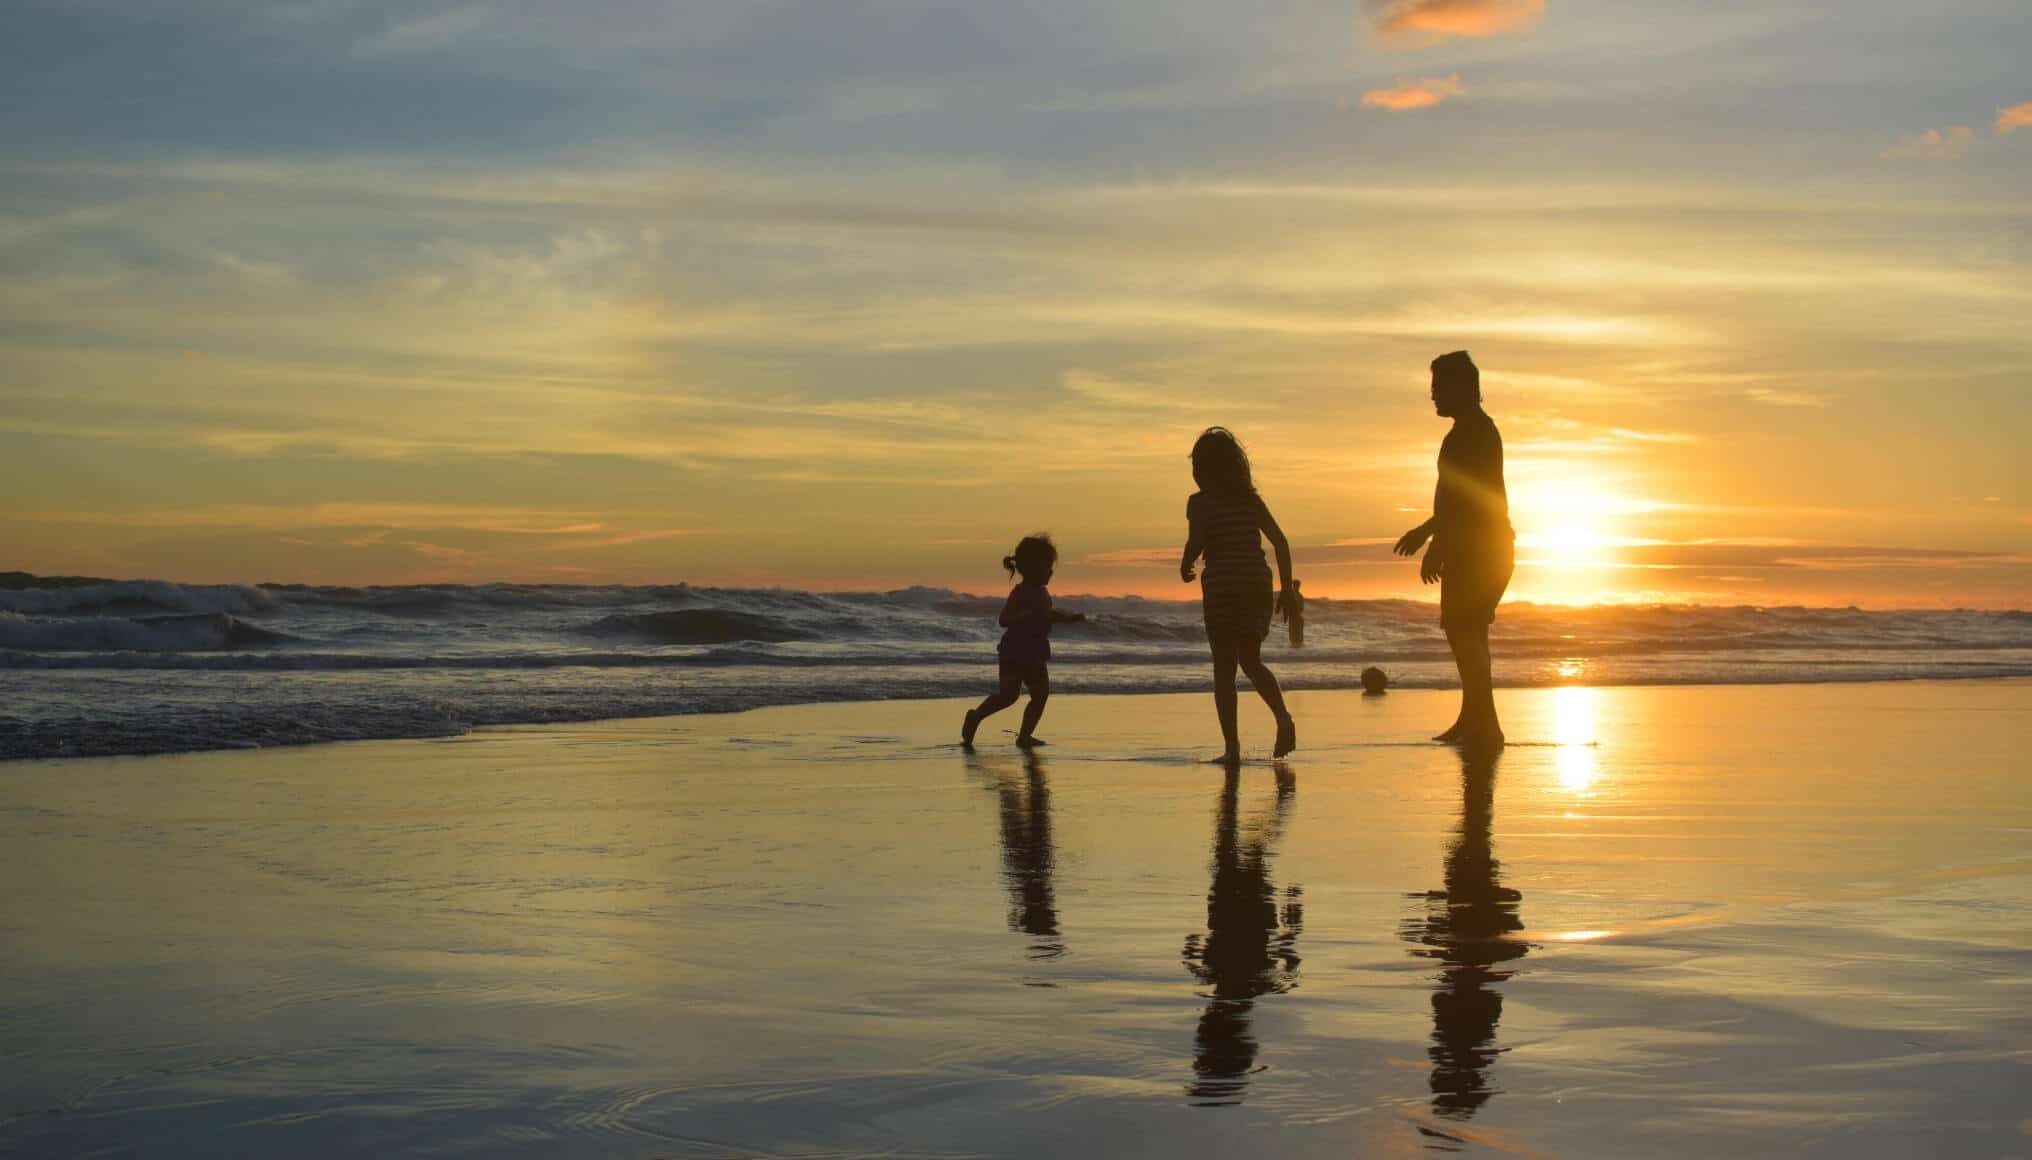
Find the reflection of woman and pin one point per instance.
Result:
(1250, 948)
(1469, 928)
(1027, 856)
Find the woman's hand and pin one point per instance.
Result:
(1409, 543)
(1185, 571)
(1433, 566)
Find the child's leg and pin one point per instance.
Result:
(1039, 681)
(1250, 656)
(1225, 658)
(1003, 697)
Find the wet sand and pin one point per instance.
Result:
(1775, 921)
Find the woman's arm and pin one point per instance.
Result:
(1193, 544)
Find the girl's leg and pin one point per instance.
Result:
(1039, 681)
(1250, 656)
(1226, 657)
(1003, 697)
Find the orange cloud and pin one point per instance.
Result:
(1431, 21)
(1420, 94)
(2015, 117)
(1949, 144)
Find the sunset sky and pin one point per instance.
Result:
(852, 294)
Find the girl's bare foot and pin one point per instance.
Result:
(1287, 736)
(1452, 734)
(1028, 742)
(973, 723)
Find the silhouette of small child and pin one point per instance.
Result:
(1375, 682)
(1027, 618)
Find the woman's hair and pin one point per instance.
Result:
(1033, 553)
(1219, 464)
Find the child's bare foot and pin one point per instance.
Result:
(1028, 742)
(1287, 737)
(969, 727)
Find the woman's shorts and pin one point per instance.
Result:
(1237, 615)
(1473, 583)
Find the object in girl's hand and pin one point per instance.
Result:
(1374, 681)
(1294, 614)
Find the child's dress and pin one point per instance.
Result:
(1235, 596)
(1027, 643)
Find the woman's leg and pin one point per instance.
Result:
(1480, 709)
(1039, 681)
(1457, 639)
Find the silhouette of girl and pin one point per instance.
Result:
(1223, 520)
(1027, 618)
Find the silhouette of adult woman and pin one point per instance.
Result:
(1469, 927)
(1250, 947)
(1473, 548)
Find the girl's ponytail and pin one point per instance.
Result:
(1009, 564)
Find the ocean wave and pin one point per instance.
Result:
(192, 632)
(128, 596)
(697, 626)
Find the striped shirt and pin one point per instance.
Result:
(1227, 528)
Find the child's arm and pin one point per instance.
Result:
(1014, 611)
(1193, 546)
(1267, 524)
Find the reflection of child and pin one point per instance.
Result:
(1374, 681)
(1026, 643)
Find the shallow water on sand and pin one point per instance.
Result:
(1676, 922)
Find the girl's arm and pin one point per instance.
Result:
(1193, 547)
(1012, 612)
(1267, 524)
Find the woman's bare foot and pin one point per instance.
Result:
(967, 730)
(1028, 742)
(1480, 737)
(1453, 732)
(1232, 756)
(1287, 736)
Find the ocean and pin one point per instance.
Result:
(147, 666)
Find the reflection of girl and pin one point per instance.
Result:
(1250, 948)
(1027, 618)
(1225, 520)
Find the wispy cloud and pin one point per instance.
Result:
(1419, 94)
(2014, 117)
(1787, 398)
(1949, 144)
(1431, 21)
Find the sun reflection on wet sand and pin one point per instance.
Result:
(1573, 724)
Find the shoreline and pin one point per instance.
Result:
(1060, 694)
(1672, 922)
